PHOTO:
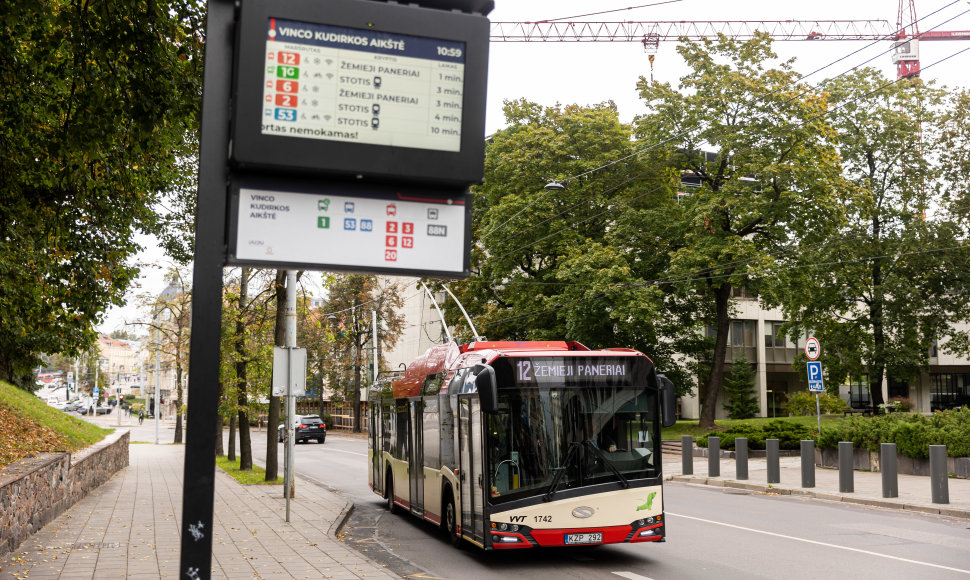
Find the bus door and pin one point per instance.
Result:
(470, 465)
(376, 447)
(416, 467)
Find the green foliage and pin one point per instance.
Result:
(732, 119)
(884, 285)
(98, 117)
(28, 425)
(912, 434)
(789, 434)
(803, 403)
(739, 384)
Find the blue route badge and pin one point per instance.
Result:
(815, 382)
(366, 225)
(350, 224)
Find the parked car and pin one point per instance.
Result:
(102, 410)
(306, 427)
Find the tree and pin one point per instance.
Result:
(891, 281)
(758, 146)
(739, 386)
(98, 116)
(351, 299)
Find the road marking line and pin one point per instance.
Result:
(631, 576)
(825, 544)
(349, 452)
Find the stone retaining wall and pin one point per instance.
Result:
(36, 490)
(869, 461)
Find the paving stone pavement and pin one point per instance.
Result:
(129, 528)
(914, 491)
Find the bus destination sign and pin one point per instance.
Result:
(573, 371)
(362, 86)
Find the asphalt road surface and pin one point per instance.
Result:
(711, 533)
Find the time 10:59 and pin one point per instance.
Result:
(449, 51)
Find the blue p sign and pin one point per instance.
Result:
(815, 383)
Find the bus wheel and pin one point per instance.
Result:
(451, 521)
(389, 490)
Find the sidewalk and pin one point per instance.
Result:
(129, 528)
(914, 490)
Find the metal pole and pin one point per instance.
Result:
(807, 453)
(373, 314)
(290, 487)
(818, 414)
(462, 308)
(687, 455)
(158, 379)
(846, 473)
(198, 489)
(714, 457)
(938, 476)
(741, 458)
(887, 464)
(771, 456)
(440, 315)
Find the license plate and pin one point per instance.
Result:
(596, 538)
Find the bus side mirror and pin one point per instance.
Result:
(668, 400)
(487, 387)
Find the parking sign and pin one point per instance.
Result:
(815, 383)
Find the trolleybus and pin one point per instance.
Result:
(524, 444)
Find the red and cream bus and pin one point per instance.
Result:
(524, 444)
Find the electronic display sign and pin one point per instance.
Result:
(332, 226)
(365, 89)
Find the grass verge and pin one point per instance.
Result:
(255, 476)
(28, 425)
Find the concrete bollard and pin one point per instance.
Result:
(771, 454)
(741, 458)
(807, 453)
(687, 454)
(887, 465)
(939, 483)
(714, 457)
(846, 473)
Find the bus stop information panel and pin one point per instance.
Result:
(349, 87)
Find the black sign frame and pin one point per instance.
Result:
(347, 189)
(251, 149)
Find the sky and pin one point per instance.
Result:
(594, 72)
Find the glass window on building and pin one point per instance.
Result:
(949, 390)
(859, 392)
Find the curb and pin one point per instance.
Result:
(822, 495)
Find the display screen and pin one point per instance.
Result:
(362, 86)
(572, 371)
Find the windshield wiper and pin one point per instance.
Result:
(608, 463)
(562, 469)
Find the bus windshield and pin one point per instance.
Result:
(547, 439)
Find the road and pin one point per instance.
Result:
(711, 533)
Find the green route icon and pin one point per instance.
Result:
(323, 222)
(323, 204)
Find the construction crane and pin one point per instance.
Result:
(905, 34)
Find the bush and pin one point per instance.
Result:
(912, 434)
(739, 385)
(903, 404)
(789, 435)
(803, 403)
